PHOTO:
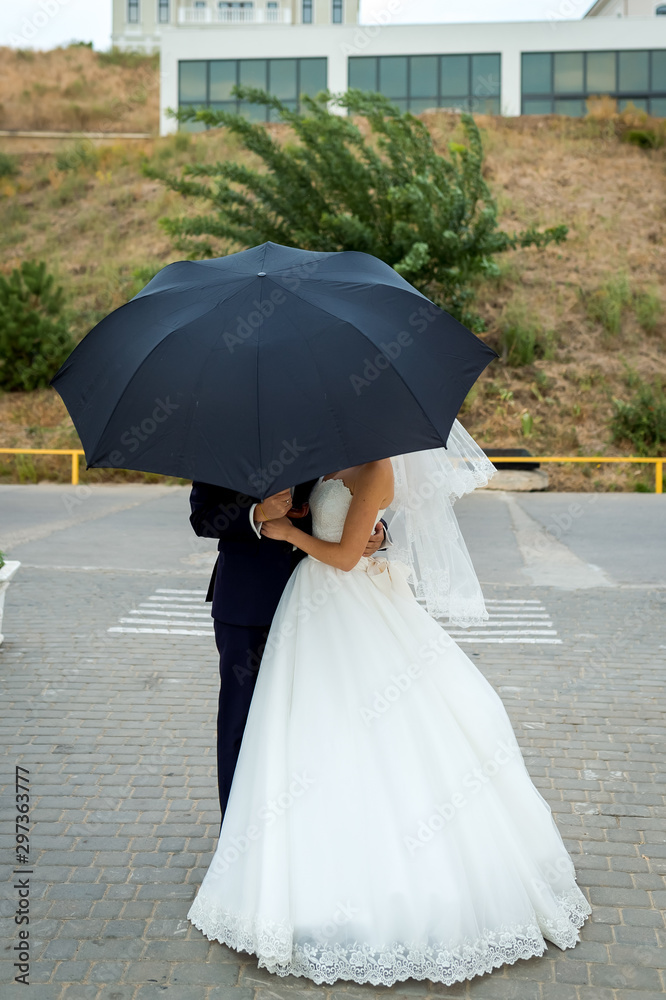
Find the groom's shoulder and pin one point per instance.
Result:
(209, 493)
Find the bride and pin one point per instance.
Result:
(381, 824)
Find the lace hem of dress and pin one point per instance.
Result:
(276, 951)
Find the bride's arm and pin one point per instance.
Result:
(372, 490)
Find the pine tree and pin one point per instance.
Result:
(34, 335)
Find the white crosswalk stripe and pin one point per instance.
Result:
(183, 612)
(510, 621)
(169, 612)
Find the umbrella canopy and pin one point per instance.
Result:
(269, 367)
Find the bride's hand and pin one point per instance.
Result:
(279, 528)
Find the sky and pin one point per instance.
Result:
(45, 24)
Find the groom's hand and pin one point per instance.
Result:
(272, 507)
(375, 541)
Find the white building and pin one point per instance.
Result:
(290, 47)
(626, 8)
(139, 24)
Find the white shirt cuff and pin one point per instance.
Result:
(256, 527)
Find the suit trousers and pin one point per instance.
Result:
(240, 648)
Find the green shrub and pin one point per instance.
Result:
(641, 420)
(2, 559)
(9, 166)
(81, 155)
(646, 138)
(34, 335)
(606, 305)
(648, 309)
(522, 338)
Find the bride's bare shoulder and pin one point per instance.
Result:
(377, 473)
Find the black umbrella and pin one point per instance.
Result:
(269, 367)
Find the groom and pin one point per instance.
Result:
(247, 582)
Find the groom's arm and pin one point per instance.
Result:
(218, 512)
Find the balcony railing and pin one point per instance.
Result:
(234, 15)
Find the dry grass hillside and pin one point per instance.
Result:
(594, 305)
(75, 88)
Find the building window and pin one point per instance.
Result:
(561, 82)
(132, 11)
(416, 83)
(306, 11)
(163, 11)
(661, 9)
(208, 83)
(336, 13)
(235, 10)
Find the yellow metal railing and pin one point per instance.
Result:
(657, 462)
(74, 452)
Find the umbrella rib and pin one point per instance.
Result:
(138, 368)
(393, 368)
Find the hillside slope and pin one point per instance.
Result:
(75, 88)
(594, 302)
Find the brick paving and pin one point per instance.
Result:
(118, 733)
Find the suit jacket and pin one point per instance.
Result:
(250, 573)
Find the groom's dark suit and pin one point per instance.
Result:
(247, 582)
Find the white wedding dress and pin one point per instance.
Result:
(381, 824)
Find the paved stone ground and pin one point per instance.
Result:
(117, 731)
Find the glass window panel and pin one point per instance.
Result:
(253, 74)
(423, 77)
(363, 72)
(282, 78)
(633, 71)
(537, 107)
(222, 78)
(572, 107)
(659, 70)
(313, 76)
(253, 112)
(486, 75)
(337, 12)
(416, 105)
(393, 76)
(307, 12)
(658, 107)
(601, 73)
(191, 126)
(455, 76)
(636, 102)
(192, 86)
(536, 73)
(401, 102)
(568, 72)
